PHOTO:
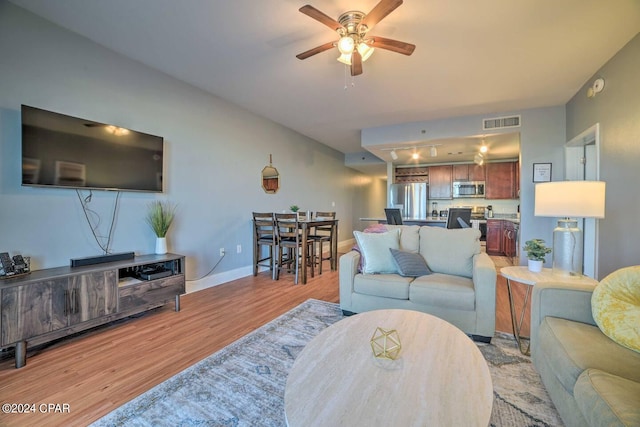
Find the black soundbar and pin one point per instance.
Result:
(99, 259)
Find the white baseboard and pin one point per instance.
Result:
(238, 273)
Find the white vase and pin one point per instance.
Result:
(535, 266)
(161, 245)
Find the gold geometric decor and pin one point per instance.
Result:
(386, 343)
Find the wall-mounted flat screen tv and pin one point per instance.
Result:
(64, 151)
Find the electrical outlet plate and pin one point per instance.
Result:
(221, 251)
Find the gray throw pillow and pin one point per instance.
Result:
(409, 264)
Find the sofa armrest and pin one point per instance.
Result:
(571, 301)
(347, 272)
(484, 284)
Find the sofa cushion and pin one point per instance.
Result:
(450, 251)
(607, 400)
(571, 347)
(409, 264)
(382, 285)
(375, 251)
(615, 306)
(443, 290)
(409, 236)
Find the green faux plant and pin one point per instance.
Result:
(536, 249)
(160, 216)
(294, 208)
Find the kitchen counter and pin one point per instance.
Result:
(436, 221)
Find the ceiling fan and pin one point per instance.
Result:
(355, 45)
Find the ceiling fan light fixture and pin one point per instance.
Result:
(365, 51)
(346, 45)
(345, 58)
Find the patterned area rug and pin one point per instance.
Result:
(243, 384)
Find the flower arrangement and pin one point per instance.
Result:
(536, 249)
(160, 216)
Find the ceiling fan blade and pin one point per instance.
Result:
(315, 50)
(356, 63)
(320, 17)
(392, 45)
(381, 10)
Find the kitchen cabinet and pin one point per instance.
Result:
(494, 237)
(508, 238)
(412, 174)
(502, 180)
(440, 182)
(468, 173)
(501, 238)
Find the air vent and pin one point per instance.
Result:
(501, 123)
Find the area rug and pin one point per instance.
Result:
(243, 384)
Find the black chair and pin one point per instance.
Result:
(394, 217)
(459, 218)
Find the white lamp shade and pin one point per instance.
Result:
(345, 58)
(570, 199)
(365, 51)
(346, 45)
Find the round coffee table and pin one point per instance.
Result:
(439, 379)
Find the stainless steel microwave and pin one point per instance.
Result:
(468, 189)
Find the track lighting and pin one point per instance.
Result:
(415, 155)
(433, 151)
(394, 155)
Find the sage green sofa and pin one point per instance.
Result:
(592, 380)
(460, 290)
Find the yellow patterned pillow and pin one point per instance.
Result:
(615, 306)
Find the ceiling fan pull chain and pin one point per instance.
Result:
(345, 78)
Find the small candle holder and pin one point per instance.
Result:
(385, 344)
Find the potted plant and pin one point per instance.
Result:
(160, 215)
(536, 251)
(294, 208)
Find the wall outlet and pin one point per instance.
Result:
(221, 251)
(239, 248)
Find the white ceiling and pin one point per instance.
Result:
(472, 57)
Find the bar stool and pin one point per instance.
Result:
(263, 235)
(289, 243)
(322, 235)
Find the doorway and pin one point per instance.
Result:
(582, 163)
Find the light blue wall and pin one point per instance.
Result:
(542, 136)
(214, 154)
(617, 109)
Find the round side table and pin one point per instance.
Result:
(521, 274)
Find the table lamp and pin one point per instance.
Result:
(566, 200)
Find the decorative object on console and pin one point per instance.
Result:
(159, 217)
(13, 267)
(386, 343)
(569, 199)
(355, 45)
(294, 208)
(536, 251)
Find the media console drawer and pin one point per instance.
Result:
(149, 293)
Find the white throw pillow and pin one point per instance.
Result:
(374, 248)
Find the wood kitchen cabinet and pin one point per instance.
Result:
(502, 180)
(440, 182)
(468, 173)
(501, 238)
(494, 237)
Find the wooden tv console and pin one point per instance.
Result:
(52, 303)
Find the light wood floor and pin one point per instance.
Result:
(97, 371)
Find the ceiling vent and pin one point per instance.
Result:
(501, 123)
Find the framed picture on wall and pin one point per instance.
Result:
(542, 172)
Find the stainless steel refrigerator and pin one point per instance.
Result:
(411, 199)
